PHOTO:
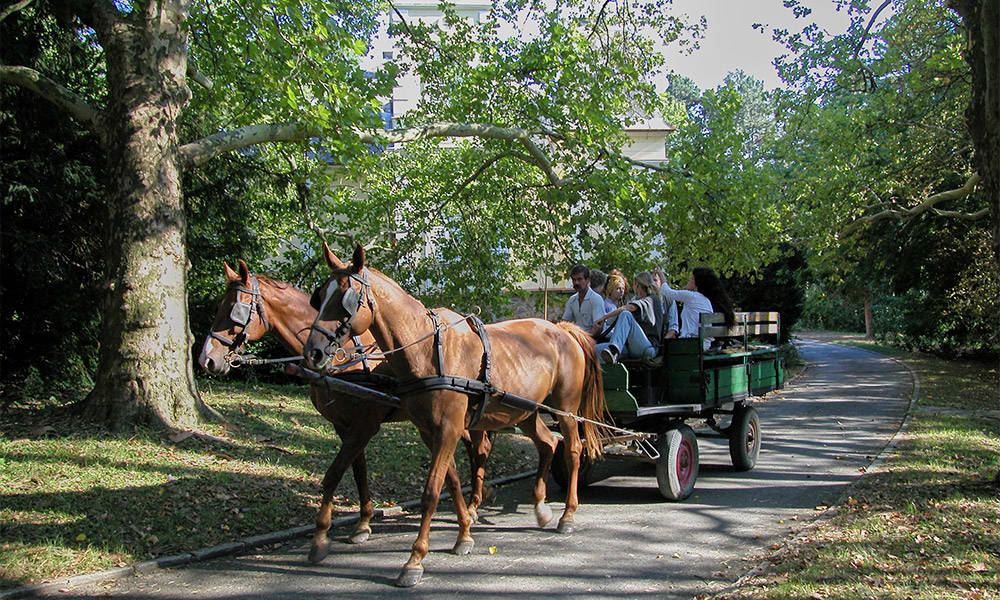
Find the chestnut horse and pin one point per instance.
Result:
(254, 305)
(532, 358)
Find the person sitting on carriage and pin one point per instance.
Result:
(598, 283)
(585, 306)
(702, 294)
(672, 324)
(634, 336)
(615, 288)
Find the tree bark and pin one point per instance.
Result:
(145, 372)
(869, 325)
(982, 30)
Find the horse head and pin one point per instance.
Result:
(346, 308)
(240, 319)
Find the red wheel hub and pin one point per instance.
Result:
(685, 462)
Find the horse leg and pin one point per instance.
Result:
(353, 446)
(464, 543)
(366, 508)
(545, 442)
(443, 450)
(572, 447)
(478, 445)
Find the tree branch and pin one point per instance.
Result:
(54, 93)
(927, 205)
(197, 76)
(871, 21)
(203, 150)
(979, 214)
(486, 165)
(13, 8)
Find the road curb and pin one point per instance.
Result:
(834, 507)
(229, 548)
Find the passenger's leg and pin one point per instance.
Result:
(629, 338)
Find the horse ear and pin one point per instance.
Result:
(244, 271)
(358, 261)
(231, 275)
(331, 258)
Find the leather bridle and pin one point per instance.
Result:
(242, 315)
(351, 302)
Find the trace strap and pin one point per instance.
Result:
(480, 391)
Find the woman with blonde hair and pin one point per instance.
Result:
(637, 335)
(614, 291)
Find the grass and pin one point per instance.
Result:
(924, 525)
(77, 499)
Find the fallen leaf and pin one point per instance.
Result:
(81, 537)
(493, 549)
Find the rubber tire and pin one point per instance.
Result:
(677, 467)
(559, 473)
(744, 437)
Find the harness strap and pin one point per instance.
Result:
(488, 389)
(445, 382)
(364, 356)
(256, 304)
(438, 346)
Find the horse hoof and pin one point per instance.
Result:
(359, 537)
(318, 552)
(565, 527)
(463, 547)
(409, 577)
(543, 514)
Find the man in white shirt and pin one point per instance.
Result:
(586, 305)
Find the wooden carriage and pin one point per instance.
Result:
(686, 381)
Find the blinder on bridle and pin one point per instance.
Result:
(242, 315)
(351, 301)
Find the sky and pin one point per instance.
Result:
(731, 42)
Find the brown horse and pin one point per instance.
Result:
(254, 305)
(532, 358)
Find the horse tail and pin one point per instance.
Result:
(592, 395)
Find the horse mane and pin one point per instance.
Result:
(389, 281)
(271, 281)
(281, 285)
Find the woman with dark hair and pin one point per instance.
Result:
(702, 294)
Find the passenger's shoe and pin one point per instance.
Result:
(609, 355)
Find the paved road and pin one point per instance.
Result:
(629, 543)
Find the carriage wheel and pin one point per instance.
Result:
(677, 467)
(559, 473)
(744, 437)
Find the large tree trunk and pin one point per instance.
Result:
(145, 373)
(982, 29)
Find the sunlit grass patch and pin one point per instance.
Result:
(75, 498)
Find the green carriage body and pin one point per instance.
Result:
(687, 381)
